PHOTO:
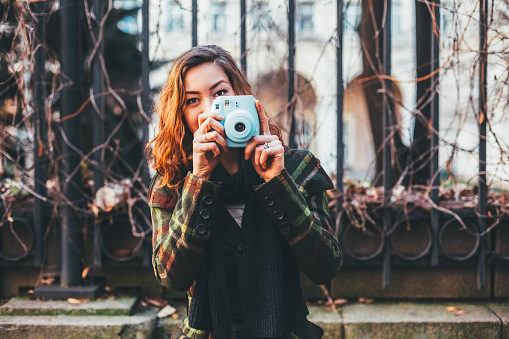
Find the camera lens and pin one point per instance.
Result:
(240, 127)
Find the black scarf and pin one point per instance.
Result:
(270, 294)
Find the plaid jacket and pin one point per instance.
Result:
(296, 199)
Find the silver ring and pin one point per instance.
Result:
(266, 145)
(205, 137)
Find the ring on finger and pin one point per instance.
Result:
(266, 145)
(205, 137)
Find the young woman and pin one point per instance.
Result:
(234, 226)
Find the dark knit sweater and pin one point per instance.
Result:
(295, 200)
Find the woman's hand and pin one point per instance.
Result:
(208, 143)
(266, 150)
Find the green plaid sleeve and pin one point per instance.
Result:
(181, 225)
(305, 223)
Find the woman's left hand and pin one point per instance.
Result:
(266, 150)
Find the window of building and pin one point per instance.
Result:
(352, 17)
(218, 17)
(129, 23)
(305, 11)
(174, 21)
(260, 15)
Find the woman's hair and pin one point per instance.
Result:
(172, 146)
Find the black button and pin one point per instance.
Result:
(208, 200)
(201, 229)
(285, 226)
(278, 215)
(205, 213)
(269, 201)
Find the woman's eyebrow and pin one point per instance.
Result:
(217, 84)
(210, 89)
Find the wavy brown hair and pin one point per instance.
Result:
(171, 153)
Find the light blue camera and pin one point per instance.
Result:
(240, 121)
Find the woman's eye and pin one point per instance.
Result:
(221, 93)
(191, 101)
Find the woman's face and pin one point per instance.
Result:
(203, 84)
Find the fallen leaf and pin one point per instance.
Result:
(155, 302)
(166, 311)
(340, 301)
(47, 281)
(481, 117)
(77, 301)
(456, 311)
(41, 149)
(85, 272)
(175, 315)
(366, 300)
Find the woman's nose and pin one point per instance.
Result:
(207, 104)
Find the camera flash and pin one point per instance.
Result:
(227, 105)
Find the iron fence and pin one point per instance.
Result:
(389, 234)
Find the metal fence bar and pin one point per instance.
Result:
(194, 27)
(434, 107)
(339, 113)
(98, 118)
(145, 102)
(387, 125)
(483, 68)
(40, 131)
(243, 56)
(72, 237)
(291, 72)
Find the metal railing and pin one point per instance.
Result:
(383, 242)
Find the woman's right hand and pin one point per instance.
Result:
(209, 141)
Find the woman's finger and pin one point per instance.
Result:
(256, 141)
(264, 122)
(204, 116)
(209, 124)
(213, 137)
(204, 147)
(269, 150)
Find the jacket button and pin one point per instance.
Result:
(201, 229)
(269, 201)
(278, 215)
(285, 226)
(208, 200)
(205, 213)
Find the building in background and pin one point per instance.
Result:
(315, 59)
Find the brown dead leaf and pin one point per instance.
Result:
(481, 117)
(340, 301)
(85, 272)
(456, 311)
(155, 301)
(175, 315)
(78, 301)
(47, 281)
(9, 217)
(41, 149)
(366, 300)
(94, 209)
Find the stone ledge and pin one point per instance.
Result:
(422, 320)
(25, 306)
(140, 325)
(393, 320)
